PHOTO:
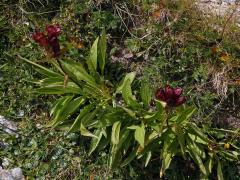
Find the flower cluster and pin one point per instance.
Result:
(49, 40)
(172, 96)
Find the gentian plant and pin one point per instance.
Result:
(123, 120)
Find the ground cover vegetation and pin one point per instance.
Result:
(120, 90)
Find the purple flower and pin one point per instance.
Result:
(172, 96)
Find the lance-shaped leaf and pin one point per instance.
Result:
(77, 122)
(195, 156)
(58, 89)
(95, 141)
(93, 57)
(128, 78)
(115, 132)
(69, 107)
(165, 163)
(130, 157)
(146, 93)
(41, 69)
(85, 132)
(219, 171)
(140, 135)
(116, 149)
(102, 51)
(77, 72)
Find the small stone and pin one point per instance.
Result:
(17, 173)
(8, 126)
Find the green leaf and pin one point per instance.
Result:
(181, 140)
(186, 114)
(198, 148)
(51, 81)
(57, 104)
(229, 156)
(129, 77)
(128, 96)
(196, 158)
(195, 130)
(115, 149)
(130, 157)
(85, 132)
(197, 139)
(58, 109)
(115, 132)
(219, 171)
(133, 127)
(129, 112)
(102, 51)
(148, 158)
(58, 89)
(95, 141)
(159, 115)
(165, 163)
(69, 108)
(76, 125)
(209, 165)
(41, 69)
(89, 119)
(140, 135)
(92, 62)
(77, 72)
(146, 93)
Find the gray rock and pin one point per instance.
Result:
(7, 126)
(12, 174)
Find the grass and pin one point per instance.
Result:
(168, 42)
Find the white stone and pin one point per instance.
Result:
(8, 126)
(17, 173)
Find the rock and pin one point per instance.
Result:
(12, 174)
(17, 173)
(7, 126)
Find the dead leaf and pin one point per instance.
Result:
(91, 177)
(224, 57)
(214, 50)
(76, 43)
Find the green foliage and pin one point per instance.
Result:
(116, 118)
(119, 117)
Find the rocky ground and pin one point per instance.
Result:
(221, 7)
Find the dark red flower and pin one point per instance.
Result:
(168, 92)
(172, 96)
(180, 101)
(177, 92)
(53, 31)
(40, 38)
(160, 94)
(51, 39)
